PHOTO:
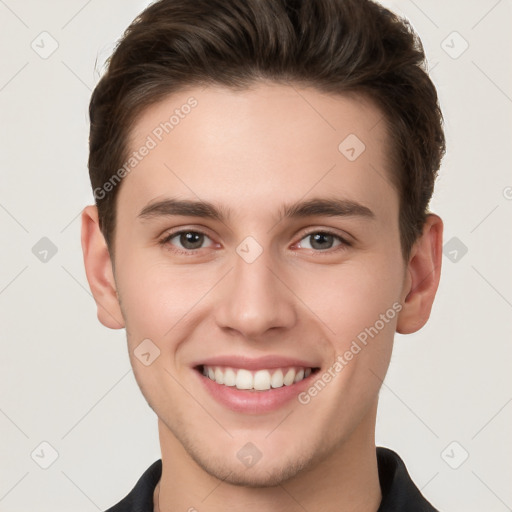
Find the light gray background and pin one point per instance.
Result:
(66, 380)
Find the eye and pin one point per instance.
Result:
(321, 241)
(187, 240)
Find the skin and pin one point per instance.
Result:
(252, 152)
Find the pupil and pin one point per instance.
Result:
(321, 241)
(191, 240)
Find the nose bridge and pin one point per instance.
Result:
(254, 300)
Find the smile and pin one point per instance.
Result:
(260, 380)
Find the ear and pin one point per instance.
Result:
(422, 277)
(98, 268)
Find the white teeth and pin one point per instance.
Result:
(244, 379)
(229, 377)
(288, 378)
(219, 376)
(277, 379)
(260, 380)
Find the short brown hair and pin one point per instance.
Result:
(335, 46)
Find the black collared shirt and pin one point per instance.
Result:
(399, 494)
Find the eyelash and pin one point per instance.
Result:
(344, 244)
(187, 252)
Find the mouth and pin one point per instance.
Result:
(261, 380)
(254, 385)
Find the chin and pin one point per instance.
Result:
(260, 475)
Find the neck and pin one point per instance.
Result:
(346, 480)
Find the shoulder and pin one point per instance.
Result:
(399, 493)
(140, 498)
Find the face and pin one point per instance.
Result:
(257, 242)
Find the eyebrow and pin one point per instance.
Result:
(313, 207)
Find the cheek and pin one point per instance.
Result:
(357, 304)
(350, 297)
(160, 304)
(156, 296)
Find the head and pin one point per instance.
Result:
(279, 208)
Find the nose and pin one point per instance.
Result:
(254, 299)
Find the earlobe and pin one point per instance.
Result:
(98, 268)
(422, 277)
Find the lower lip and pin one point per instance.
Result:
(253, 402)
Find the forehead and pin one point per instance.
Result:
(260, 147)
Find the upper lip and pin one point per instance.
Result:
(259, 363)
